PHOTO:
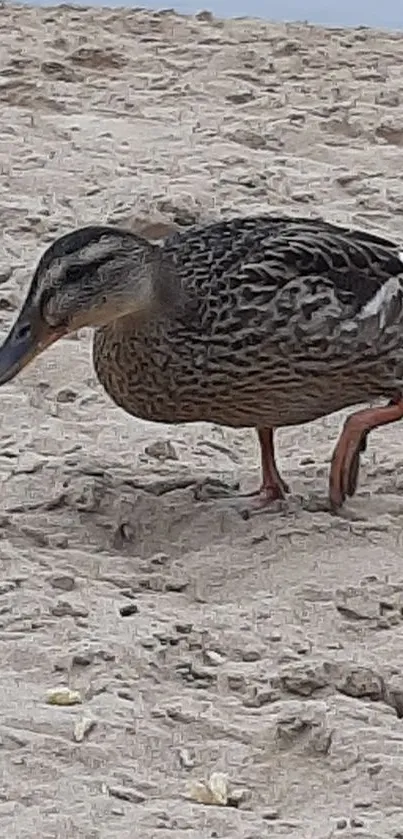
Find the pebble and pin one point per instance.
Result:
(250, 654)
(127, 794)
(159, 559)
(304, 679)
(128, 609)
(176, 584)
(74, 610)
(213, 658)
(271, 815)
(65, 582)
(66, 394)
(258, 698)
(185, 759)
(6, 586)
(184, 628)
(162, 450)
(394, 694)
(361, 682)
(236, 681)
(125, 693)
(83, 659)
(59, 540)
(148, 643)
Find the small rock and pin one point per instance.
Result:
(127, 794)
(213, 658)
(394, 694)
(66, 394)
(303, 724)
(240, 97)
(186, 759)
(250, 654)
(148, 643)
(183, 628)
(192, 672)
(271, 815)
(159, 559)
(375, 769)
(83, 659)
(360, 682)
(125, 693)
(341, 824)
(304, 679)
(6, 586)
(59, 540)
(205, 15)
(6, 274)
(236, 681)
(162, 450)
(176, 584)
(128, 609)
(64, 608)
(66, 582)
(257, 698)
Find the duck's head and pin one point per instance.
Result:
(89, 277)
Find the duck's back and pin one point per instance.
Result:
(283, 320)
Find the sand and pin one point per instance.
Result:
(270, 649)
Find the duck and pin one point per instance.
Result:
(263, 321)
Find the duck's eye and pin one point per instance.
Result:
(23, 331)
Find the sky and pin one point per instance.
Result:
(379, 13)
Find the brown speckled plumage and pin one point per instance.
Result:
(260, 321)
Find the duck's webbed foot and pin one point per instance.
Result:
(273, 488)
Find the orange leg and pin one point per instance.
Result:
(273, 486)
(346, 456)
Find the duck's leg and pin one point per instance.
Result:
(273, 487)
(346, 456)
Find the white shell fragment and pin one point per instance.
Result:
(83, 727)
(216, 791)
(63, 696)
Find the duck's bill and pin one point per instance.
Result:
(23, 343)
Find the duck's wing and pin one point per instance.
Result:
(267, 250)
(357, 271)
(358, 267)
(318, 288)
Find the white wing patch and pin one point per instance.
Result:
(379, 304)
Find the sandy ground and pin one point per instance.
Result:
(268, 649)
